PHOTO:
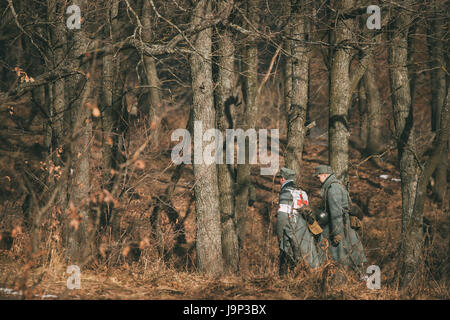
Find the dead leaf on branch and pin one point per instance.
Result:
(109, 141)
(23, 75)
(96, 112)
(125, 251)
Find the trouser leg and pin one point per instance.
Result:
(283, 270)
(286, 264)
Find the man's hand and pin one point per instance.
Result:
(336, 240)
(307, 214)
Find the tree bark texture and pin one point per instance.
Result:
(287, 60)
(411, 238)
(437, 48)
(77, 88)
(208, 240)
(340, 93)
(225, 100)
(151, 76)
(374, 144)
(250, 88)
(299, 100)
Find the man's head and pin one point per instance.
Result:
(286, 174)
(322, 172)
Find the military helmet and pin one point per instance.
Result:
(322, 169)
(286, 173)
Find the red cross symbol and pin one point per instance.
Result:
(300, 202)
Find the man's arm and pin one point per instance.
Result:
(335, 210)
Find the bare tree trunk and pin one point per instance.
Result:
(340, 94)
(225, 172)
(374, 144)
(111, 97)
(152, 80)
(299, 101)
(56, 95)
(411, 243)
(436, 40)
(58, 38)
(208, 241)
(287, 65)
(77, 88)
(250, 83)
(112, 90)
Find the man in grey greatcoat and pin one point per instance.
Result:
(345, 246)
(295, 240)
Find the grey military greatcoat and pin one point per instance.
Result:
(294, 238)
(349, 251)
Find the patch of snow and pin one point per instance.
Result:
(19, 293)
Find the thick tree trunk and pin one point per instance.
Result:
(56, 97)
(411, 243)
(224, 100)
(208, 241)
(250, 87)
(77, 88)
(340, 94)
(436, 43)
(299, 101)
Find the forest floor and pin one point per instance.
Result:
(374, 186)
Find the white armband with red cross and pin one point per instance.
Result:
(285, 208)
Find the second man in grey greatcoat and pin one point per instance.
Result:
(345, 246)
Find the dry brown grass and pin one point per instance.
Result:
(172, 274)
